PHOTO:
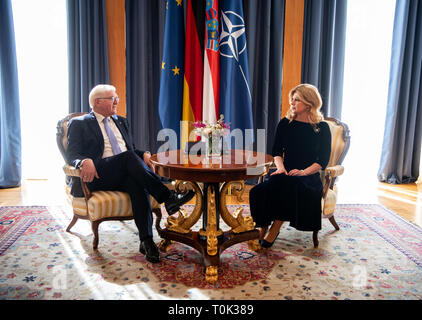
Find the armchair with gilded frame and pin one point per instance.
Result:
(96, 206)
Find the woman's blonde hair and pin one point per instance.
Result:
(310, 96)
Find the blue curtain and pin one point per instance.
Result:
(324, 36)
(87, 50)
(401, 148)
(145, 23)
(264, 40)
(10, 128)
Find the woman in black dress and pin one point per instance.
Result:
(301, 149)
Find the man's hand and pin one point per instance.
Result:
(88, 171)
(147, 157)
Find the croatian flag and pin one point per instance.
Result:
(211, 95)
(235, 93)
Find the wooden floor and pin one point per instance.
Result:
(405, 200)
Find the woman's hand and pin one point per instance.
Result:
(296, 172)
(279, 171)
(314, 168)
(280, 166)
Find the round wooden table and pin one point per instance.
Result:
(211, 179)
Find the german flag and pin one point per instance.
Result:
(194, 67)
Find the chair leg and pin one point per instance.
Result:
(334, 223)
(158, 215)
(315, 239)
(72, 223)
(94, 226)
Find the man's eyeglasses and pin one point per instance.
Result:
(114, 99)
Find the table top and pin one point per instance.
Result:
(236, 165)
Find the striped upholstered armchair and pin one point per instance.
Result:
(96, 206)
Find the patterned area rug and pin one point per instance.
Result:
(375, 255)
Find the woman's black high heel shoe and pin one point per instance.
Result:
(265, 244)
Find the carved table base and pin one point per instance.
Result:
(210, 241)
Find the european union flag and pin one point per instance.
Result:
(235, 93)
(170, 101)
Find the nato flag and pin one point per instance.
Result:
(235, 93)
(170, 101)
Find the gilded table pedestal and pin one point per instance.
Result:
(210, 179)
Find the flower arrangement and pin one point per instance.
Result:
(211, 133)
(205, 129)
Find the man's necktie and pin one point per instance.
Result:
(113, 140)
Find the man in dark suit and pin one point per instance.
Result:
(100, 144)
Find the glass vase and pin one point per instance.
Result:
(213, 146)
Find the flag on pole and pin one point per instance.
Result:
(235, 93)
(170, 100)
(194, 66)
(211, 99)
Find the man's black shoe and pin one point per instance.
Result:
(150, 250)
(176, 200)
